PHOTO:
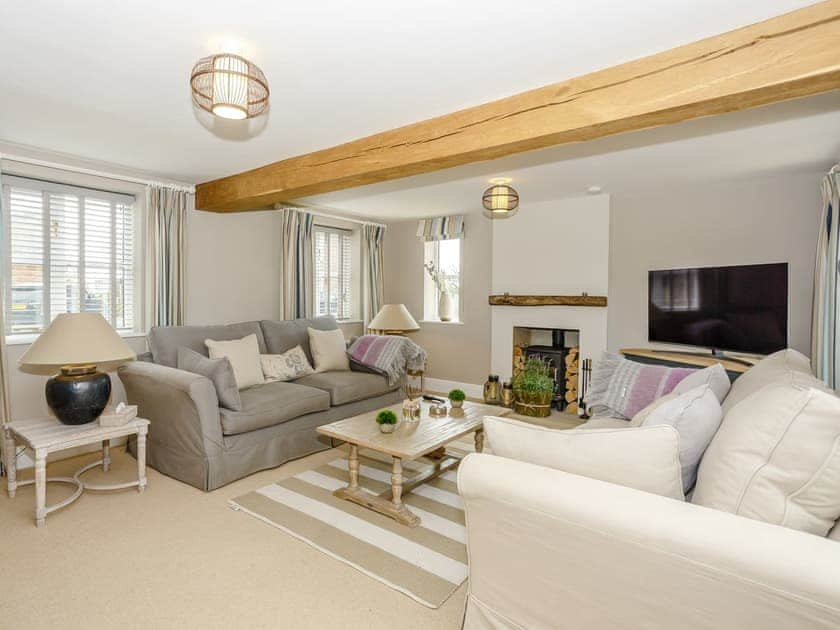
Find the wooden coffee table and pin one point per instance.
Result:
(410, 440)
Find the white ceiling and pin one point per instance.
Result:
(108, 80)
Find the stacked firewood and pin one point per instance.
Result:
(518, 359)
(572, 369)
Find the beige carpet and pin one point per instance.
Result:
(176, 557)
(427, 563)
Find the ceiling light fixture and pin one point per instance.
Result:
(229, 86)
(500, 200)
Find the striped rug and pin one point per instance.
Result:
(426, 563)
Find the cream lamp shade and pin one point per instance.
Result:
(393, 318)
(77, 339)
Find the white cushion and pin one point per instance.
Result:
(329, 350)
(287, 366)
(776, 458)
(639, 419)
(785, 366)
(645, 458)
(696, 416)
(244, 357)
(714, 376)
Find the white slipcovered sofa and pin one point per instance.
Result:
(550, 549)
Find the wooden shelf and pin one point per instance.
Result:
(666, 357)
(547, 300)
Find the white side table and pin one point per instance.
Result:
(48, 435)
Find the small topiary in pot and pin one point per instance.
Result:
(456, 398)
(387, 420)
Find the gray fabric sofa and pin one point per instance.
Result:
(194, 440)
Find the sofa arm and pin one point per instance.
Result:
(183, 407)
(552, 550)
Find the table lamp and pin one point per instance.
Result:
(77, 344)
(393, 319)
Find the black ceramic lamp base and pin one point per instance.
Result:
(78, 394)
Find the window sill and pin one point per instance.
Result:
(349, 321)
(437, 321)
(25, 340)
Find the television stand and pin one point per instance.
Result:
(675, 358)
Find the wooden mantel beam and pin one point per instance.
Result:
(789, 56)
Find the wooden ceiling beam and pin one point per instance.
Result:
(793, 55)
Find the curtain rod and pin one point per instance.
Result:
(319, 213)
(89, 171)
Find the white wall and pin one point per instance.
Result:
(760, 220)
(233, 266)
(553, 248)
(457, 351)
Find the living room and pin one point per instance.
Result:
(273, 336)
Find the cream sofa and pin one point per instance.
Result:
(548, 549)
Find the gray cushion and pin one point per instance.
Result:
(281, 336)
(272, 403)
(345, 387)
(220, 371)
(164, 341)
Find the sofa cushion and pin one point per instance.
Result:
(696, 416)
(272, 403)
(219, 371)
(644, 458)
(345, 387)
(287, 366)
(281, 336)
(623, 388)
(244, 357)
(714, 376)
(785, 366)
(164, 341)
(776, 458)
(329, 350)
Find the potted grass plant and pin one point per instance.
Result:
(533, 389)
(457, 398)
(387, 420)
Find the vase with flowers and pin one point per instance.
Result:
(445, 287)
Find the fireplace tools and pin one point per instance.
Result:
(585, 377)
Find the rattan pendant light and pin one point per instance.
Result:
(500, 201)
(229, 86)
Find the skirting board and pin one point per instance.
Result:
(443, 387)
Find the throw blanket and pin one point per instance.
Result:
(389, 355)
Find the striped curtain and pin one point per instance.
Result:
(825, 324)
(5, 410)
(441, 228)
(298, 264)
(167, 212)
(374, 261)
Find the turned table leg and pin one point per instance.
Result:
(353, 467)
(479, 440)
(40, 488)
(141, 460)
(11, 464)
(396, 483)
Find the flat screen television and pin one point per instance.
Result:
(742, 308)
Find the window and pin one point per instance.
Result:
(444, 257)
(333, 272)
(69, 249)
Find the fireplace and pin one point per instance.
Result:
(559, 347)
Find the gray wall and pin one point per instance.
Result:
(458, 352)
(753, 221)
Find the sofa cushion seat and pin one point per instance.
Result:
(272, 403)
(345, 387)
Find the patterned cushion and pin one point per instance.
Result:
(625, 387)
(287, 366)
